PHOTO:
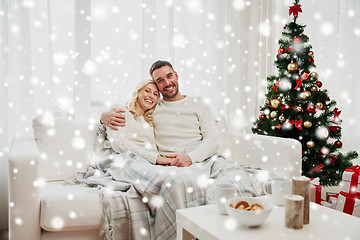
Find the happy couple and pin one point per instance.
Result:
(177, 130)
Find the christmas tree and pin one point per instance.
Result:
(298, 107)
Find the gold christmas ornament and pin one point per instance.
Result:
(314, 75)
(292, 67)
(311, 53)
(305, 94)
(275, 103)
(319, 105)
(278, 126)
(310, 144)
(273, 114)
(282, 118)
(307, 124)
(314, 88)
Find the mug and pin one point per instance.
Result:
(223, 192)
(279, 186)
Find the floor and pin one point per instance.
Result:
(4, 235)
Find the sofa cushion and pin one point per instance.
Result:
(65, 146)
(69, 207)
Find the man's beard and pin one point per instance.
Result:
(170, 95)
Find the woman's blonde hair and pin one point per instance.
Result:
(131, 103)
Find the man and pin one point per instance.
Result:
(184, 128)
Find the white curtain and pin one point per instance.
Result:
(74, 56)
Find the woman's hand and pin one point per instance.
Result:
(163, 160)
(113, 118)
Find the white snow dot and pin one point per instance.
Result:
(157, 201)
(357, 31)
(326, 28)
(72, 215)
(57, 223)
(89, 68)
(189, 189)
(143, 231)
(78, 143)
(238, 5)
(18, 221)
(70, 196)
(79, 165)
(265, 28)
(59, 58)
(179, 41)
(202, 181)
(264, 158)
(230, 224)
(28, 3)
(145, 199)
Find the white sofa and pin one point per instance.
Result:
(42, 207)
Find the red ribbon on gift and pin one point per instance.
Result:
(349, 201)
(316, 183)
(297, 123)
(354, 177)
(295, 10)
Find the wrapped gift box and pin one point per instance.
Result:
(332, 198)
(349, 203)
(351, 180)
(326, 204)
(315, 190)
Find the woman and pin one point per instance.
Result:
(137, 136)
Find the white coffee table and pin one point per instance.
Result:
(206, 224)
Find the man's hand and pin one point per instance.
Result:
(163, 160)
(179, 160)
(113, 118)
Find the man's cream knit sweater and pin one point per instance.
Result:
(185, 127)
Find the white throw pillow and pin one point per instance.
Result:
(65, 146)
(223, 139)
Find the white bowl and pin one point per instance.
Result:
(249, 218)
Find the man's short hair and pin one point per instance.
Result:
(159, 64)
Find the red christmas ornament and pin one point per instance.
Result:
(262, 116)
(319, 84)
(324, 151)
(312, 108)
(333, 158)
(311, 59)
(338, 144)
(281, 50)
(297, 40)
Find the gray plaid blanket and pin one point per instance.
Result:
(140, 199)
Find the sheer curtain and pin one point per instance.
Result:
(74, 56)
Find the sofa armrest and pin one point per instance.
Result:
(277, 155)
(24, 217)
